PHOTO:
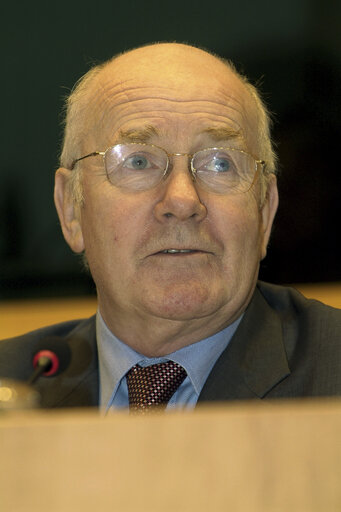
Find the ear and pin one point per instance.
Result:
(268, 212)
(68, 210)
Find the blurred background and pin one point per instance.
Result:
(291, 49)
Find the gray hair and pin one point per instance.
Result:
(76, 126)
(263, 134)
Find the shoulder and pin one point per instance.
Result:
(16, 353)
(307, 317)
(287, 300)
(62, 329)
(307, 332)
(311, 334)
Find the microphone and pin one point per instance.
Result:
(52, 357)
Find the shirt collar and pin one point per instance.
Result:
(116, 358)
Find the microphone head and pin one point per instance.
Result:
(55, 350)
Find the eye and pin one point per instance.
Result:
(137, 162)
(219, 164)
(214, 161)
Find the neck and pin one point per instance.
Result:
(155, 337)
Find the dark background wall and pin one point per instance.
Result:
(292, 49)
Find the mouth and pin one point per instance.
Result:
(182, 252)
(178, 251)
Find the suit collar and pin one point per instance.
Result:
(254, 361)
(252, 364)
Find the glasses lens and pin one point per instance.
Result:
(224, 170)
(135, 166)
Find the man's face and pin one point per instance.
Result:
(192, 102)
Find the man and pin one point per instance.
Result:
(167, 185)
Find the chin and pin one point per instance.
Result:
(183, 303)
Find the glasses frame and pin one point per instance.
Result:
(167, 171)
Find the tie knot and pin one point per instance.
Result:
(153, 385)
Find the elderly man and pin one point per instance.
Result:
(167, 185)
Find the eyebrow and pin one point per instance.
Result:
(220, 134)
(145, 134)
(142, 135)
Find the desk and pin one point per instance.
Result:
(243, 457)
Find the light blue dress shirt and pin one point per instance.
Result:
(116, 358)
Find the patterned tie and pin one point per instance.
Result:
(153, 385)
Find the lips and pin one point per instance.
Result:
(174, 248)
(171, 251)
(178, 251)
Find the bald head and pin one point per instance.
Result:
(171, 62)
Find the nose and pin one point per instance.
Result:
(180, 199)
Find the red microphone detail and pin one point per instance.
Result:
(53, 367)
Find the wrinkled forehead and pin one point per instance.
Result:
(167, 78)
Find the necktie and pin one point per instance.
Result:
(153, 385)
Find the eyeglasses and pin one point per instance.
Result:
(138, 167)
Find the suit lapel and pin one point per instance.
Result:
(255, 359)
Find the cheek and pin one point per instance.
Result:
(237, 224)
(240, 235)
(111, 221)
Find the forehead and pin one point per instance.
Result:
(170, 86)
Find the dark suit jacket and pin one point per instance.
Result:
(285, 346)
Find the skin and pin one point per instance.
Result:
(154, 302)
